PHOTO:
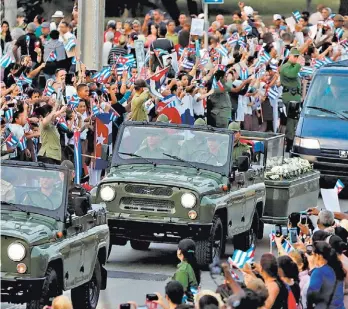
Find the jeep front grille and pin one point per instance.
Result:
(150, 205)
(149, 190)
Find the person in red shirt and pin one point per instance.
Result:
(111, 26)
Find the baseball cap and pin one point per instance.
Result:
(277, 17)
(295, 52)
(68, 164)
(45, 24)
(338, 17)
(248, 10)
(234, 126)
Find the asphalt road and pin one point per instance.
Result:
(133, 274)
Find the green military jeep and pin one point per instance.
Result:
(169, 182)
(51, 238)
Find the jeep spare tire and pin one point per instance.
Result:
(213, 247)
(140, 245)
(86, 296)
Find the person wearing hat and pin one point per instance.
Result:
(45, 32)
(152, 146)
(188, 272)
(138, 112)
(57, 17)
(22, 44)
(338, 27)
(239, 148)
(291, 93)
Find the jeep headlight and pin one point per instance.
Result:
(107, 193)
(188, 200)
(16, 251)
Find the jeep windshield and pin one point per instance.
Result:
(174, 145)
(328, 97)
(32, 190)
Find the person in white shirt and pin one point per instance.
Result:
(57, 17)
(315, 17)
(109, 39)
(64, 36)
(200, 102)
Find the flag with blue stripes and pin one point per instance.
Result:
(73, 101)
(52, 56)
(241, 42)
(297, 15)
(70, 44)
(248, 29)
(5, 61)
(22, 144)
(233, 39)
(339, 33)
(48, 91)
(273, 93)
(306, 71)
(187, 64)
(22, 80)
(160, 52)
(339, 186)
(265, 56)
(274, 67)
(113, 115)
(244, 74)
(95, 110)
(240, 258)
(62, 123)
(214, 84)
(287, 246)
(9, 115)
(11, 141)
(222, 50)
(77, 157)
(171, 100)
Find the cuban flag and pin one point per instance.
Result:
(221, 67)
(22, 80)
(297, 15)
(113, 115)
(9, 115)
(244, 74)
(233, 39)
(344, 44)
(120, 69)
(287, 246)
(272, 236)
(11, 141)
(339, 186)
(242, 43)
(77, 157)
(248, 29)
(218, 84)
(22, 144)
(131, 62)
(48, 91)
(131, 80)
(265, 56)
(52, 56)
(170, 101)
(5, 61)
(339, 32)
(274, 67)
(103, 136)
(70, 44)
(102, 75)
(156, 81)
(160, 52)
(240, 258)
(73, 101)
(187, 64)
(273, 93)
(95, 110)
(222, 50)
(306, 71)
(61, 123)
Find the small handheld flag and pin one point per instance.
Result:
(52, 56)
(113, 115)
(297, 15)
(339, 186)
(244, 74)
(70, 44)
(287, 246)
(222, 51)
(240, 258)
(73, 101)
(22, 145)
(273, 93)
(77, 157)
(11, 141)
(5, 61)
(9, 115)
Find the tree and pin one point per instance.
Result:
(343, 10)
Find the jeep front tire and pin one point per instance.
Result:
(213, 247)
(50, 289)
(86, 296)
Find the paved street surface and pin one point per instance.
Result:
(133, 274)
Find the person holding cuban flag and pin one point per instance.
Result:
(66, 37)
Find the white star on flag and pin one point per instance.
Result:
(100, 139)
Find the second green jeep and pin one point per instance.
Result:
(169, 182)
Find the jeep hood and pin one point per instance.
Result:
(32, 229)
(201, 182)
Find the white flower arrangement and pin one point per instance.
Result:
(292, 167)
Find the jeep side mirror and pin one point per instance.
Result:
(243, 163)
(104, 154)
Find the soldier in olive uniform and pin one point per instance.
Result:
(152, 146)
(291, 94)
(238, 148)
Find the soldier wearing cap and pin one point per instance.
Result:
(138, 112)
(238, 148)
(162, 118)
(291, 93)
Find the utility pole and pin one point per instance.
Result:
(90, 32)
(10, 7)
(206, 24)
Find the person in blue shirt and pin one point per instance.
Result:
(326, 287)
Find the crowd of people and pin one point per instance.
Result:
(311, 272)
(251, 73)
